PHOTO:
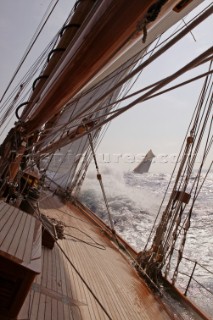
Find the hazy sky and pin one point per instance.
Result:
(159, 124)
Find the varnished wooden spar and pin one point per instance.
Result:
(107, 31)
(66, 36)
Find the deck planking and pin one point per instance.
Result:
(59, 293)
(19, 233)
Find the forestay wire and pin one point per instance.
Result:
(99, 177)
(37, 33)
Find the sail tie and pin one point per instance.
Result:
(151, 15)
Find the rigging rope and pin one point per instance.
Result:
(75, 269)
(138, 56)
(142, 98)
(126, 97)
(47, 155)
(78, 116)
(178, 30)
(162, 50)
(169, 230)
(25, 82)
(128, 253)
(122, 99)
(99, 177)
(41, 26)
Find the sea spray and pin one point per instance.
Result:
(134, 200)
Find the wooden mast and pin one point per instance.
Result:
(112, 25)
(67, 34)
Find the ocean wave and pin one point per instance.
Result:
(134, 201)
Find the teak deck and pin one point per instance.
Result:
(19, 237)
(97, 283)
(20, 258)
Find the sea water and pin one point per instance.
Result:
(134, 202)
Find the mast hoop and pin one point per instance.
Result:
(53, 51)
(18, 108)
(70, 25)
(37, 79)
(76, 4)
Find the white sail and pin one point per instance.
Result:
(90, 100)
(145, 164)
(70, 157)
(115, 70)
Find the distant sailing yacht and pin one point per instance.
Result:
(145, 164)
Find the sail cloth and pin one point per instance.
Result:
(70, 157)
(84, 59)
(145, 164)
(124, 59)
(72, 153)
(71, 113)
